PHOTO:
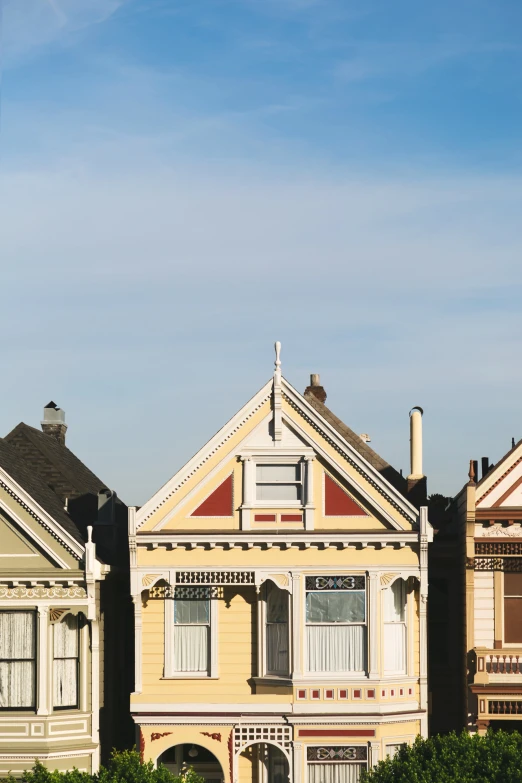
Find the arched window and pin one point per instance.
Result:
(395, 627)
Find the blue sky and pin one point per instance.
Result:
(183, 182)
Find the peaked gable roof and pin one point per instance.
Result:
(378, 471)
(15, 466)
(497, 473)
(371, 456)
(67, 474)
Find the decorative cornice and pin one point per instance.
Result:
(11, 492)
(203, 456)
(39, 591)
(345, 454)
(268, 540)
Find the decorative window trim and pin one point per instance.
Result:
(335, 754)
(169, 672)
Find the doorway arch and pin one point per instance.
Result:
(205, 763)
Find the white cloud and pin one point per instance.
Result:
(32, 24)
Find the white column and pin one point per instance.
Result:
(95, 694)
(297, 625)
(298, 765)
(261, 633)
(44, 652)
(375, 753)
(423, 627)
(249, 486)
(374, 635)
(309, 512)
(138, 629)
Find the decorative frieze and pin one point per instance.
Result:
(39, 591)
(215, 577)
(498, 547)
(509, 564)
(325, 753)
(335, 582)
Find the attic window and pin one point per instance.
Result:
(279, 482)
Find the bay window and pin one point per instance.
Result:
(395, 627)
(17, 660)
(191, 629)
(277, 636)
(66, 663)
(336, 623)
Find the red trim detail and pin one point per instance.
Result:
(264, 517)
(301, 694)
(291, 517)
(337, 503)
(337, 732)
(316, 694)
(219, 503)
(370, 693)
(343, 694)
(328, 694)
(142, 746)
(357, 694)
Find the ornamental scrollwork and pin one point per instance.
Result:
(55, 591)
(335, 582)
(337, 753)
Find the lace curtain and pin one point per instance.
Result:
(191, 635)
(332, 644)
(395, 627)
(17, 659)
(65, 664)
(335, 773)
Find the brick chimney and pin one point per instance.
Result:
(53, 423)
(315, 388)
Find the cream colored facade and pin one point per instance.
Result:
(264, 721)
(47, 576)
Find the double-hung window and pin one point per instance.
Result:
(277, 637)
(279, 483)
(191, 630)
(395, 646)
(66, 663)
(336, 623)
(17, 660)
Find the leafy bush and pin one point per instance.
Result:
(124, 767)
(454, 758)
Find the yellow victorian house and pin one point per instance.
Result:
(279, 582)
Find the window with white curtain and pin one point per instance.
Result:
(279, 483)
(336, 764)
(394, 748)
(66, 663)
(277, 637)
(395, 627)
(336, 624)
(17, 660)
(191, 629)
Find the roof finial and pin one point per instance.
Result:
(471, 473)
(277, 362)
(278, 413)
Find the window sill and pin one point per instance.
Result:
(189, 676)
(267, 679)
(311, 678)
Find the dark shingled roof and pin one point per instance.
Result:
(384, 468)
(17, 468)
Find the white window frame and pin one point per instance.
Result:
(406, 624)
(262, 656)
(78, 659)
(35, 661)
(341, 675)
(365, 765)
(169, 671)
(251, 459)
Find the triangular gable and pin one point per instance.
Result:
(369, 476)
(337, 502)
(36, 524)
(220, 503)
(501, 486)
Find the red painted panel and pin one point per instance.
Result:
(337, 732)
(264, 518)
(337, 503)
(370, 694)
(343, 694)
(219, 503)
(328, 694)
(357, 694)
(316, 694)
(291, 518)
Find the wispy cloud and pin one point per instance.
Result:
(30, 25)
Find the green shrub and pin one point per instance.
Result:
(454, 758)
(123, 767)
